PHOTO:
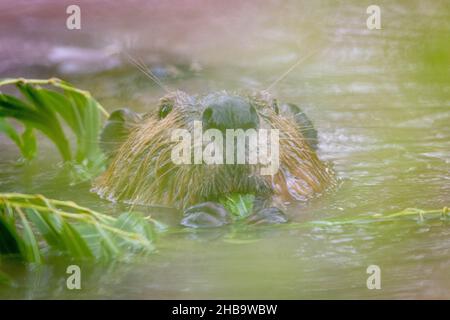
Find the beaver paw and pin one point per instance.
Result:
(206, 215)
(271, 215)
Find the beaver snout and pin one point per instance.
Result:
(230, 113)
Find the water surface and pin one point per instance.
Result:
(380, 100)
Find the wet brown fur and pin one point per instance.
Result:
(142, 171)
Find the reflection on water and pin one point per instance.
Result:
(379, 99)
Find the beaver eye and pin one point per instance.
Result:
(164, 110)
(275, 106)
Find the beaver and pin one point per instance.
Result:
(141, 170)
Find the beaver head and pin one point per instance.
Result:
(142, 169)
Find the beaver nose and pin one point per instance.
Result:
(230, 113)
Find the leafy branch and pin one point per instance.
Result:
(31, 224)
(46, 106)
(408, 213)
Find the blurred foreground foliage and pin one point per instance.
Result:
(49, 106)
(33, 227)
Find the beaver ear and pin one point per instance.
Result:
(305, 125)
(116, 130)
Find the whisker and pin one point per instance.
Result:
(147, 72)
(295, 65)
(150, 72)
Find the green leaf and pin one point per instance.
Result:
(29, 143)
(75, 243)
(88, 110)
(61, 105)
(10, 131)
(30, 248)
(48, 109)
(135, 222)
(240, 205)
(9, 243)
(26, 141)
(47, 124)
(48, 116)
(46, 228)
(65, 227)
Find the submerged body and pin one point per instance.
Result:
(142, 168)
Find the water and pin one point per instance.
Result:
(380, 100)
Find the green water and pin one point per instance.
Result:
(380, 100)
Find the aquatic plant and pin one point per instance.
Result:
(408, 213)
(240, 205)
(46, 106)
(33, 227)
(416, 214)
